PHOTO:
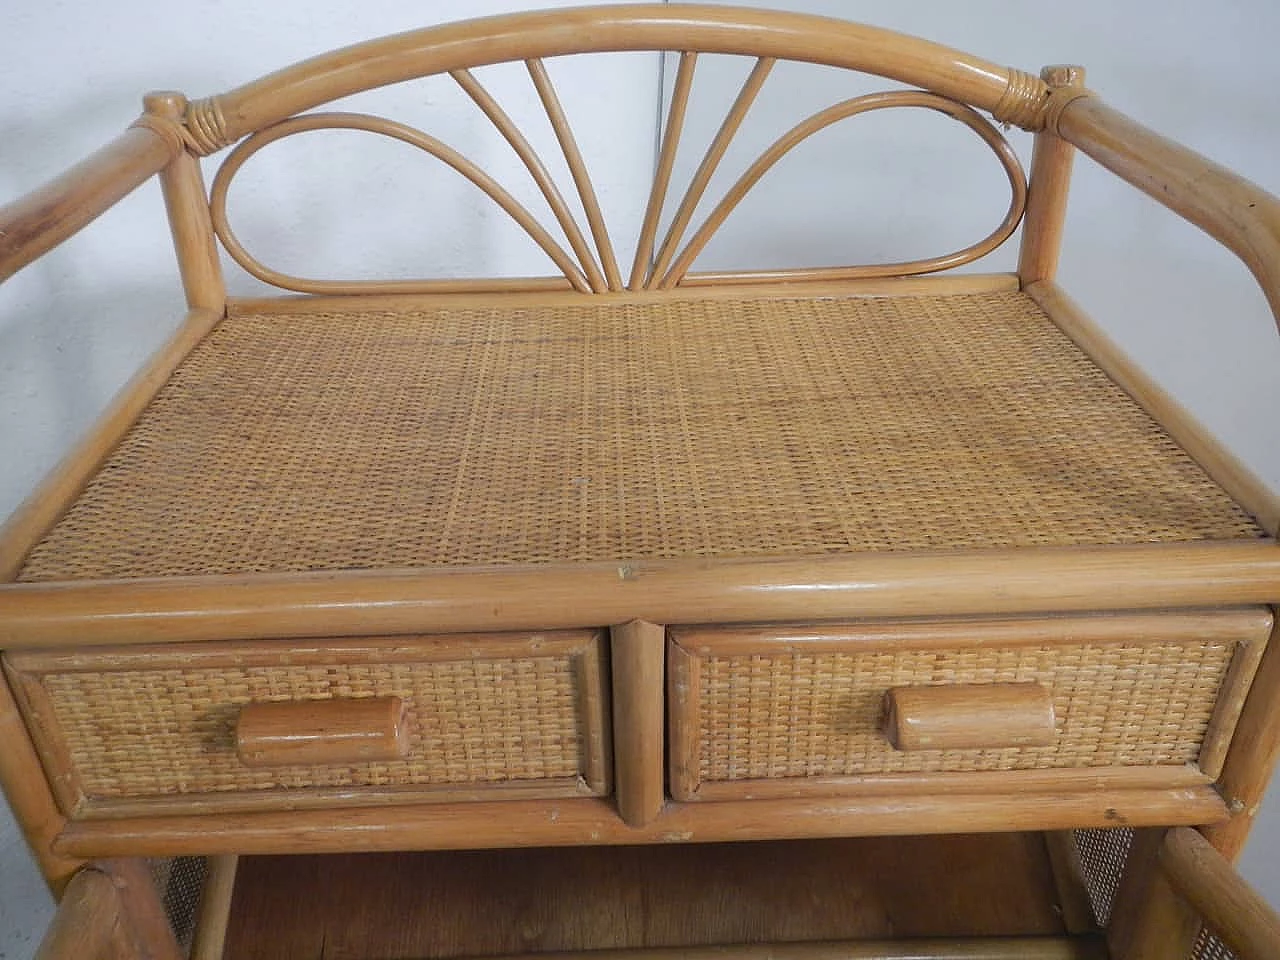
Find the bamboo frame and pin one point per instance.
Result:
(1013, 96)
(1238, 214)
(1051, 161)
(819, 121)
(707, 168)
(1206, 880)
(976, 948)
(541, 176)
(397, 131)
(577, 169)
(662, 176)
(522, 823)
(546, 597)
(215, 909)
(1251, 757)
(110, 911)
(638, 663)
(36, 223)
(187, 204)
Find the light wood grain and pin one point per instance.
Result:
(594, 821)
(1233, 911)
(638, 729)
(1223, 466)
(45, 506)
(320, 732)
(36, 223)
(1051, 160)
(644, 898)
(970, 716)
(712, 29)
(209, 940)
(187, 204)
(1252, 757)
(956, 583)
(1237, 213)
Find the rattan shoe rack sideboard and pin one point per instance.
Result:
(643, 571)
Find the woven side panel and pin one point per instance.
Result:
(1209, 947)
(631, 431)
(140, 733)
(800, 715)
(1103, 854)
(180, 881)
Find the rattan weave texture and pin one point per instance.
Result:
(811, 715)
(633, 430)
(163, 732)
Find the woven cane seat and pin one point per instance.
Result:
(620, 430)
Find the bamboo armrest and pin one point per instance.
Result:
(1238, 214)
(32, 225)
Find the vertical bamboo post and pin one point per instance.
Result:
(1149, 920)
(638, 650)
(1051, 159)
(22, 780)
(1252, 756)
(187, 203)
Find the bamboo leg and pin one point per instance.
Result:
(23, 781)
(1051, 160)
(1252, 756)
(638, 650)
(187, 204)
(1149, 920)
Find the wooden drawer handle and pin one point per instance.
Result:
(321, 732)
(969, 716)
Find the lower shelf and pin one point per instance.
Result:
(663, 900)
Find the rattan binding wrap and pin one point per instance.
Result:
(811, 715)
(612, 431)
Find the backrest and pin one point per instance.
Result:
(671, 237)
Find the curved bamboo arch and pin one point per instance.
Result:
(388, 128)
(843, 111)
(1010, 95)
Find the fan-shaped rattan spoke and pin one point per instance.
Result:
(387, 128)
(842, 111)
(662, 177)
(577, 168)
(506, 126)
(715, 153)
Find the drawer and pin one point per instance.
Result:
(277, 725)
(1141, 700)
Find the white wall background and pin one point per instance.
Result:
(75, 325)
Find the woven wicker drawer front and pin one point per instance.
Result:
(152, 729)
(756, 709)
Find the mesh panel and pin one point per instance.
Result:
(1209, 947)
(622, 431)
(1102, 856)
(180, 881)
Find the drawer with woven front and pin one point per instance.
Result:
(270, 725)
(1073, 702)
